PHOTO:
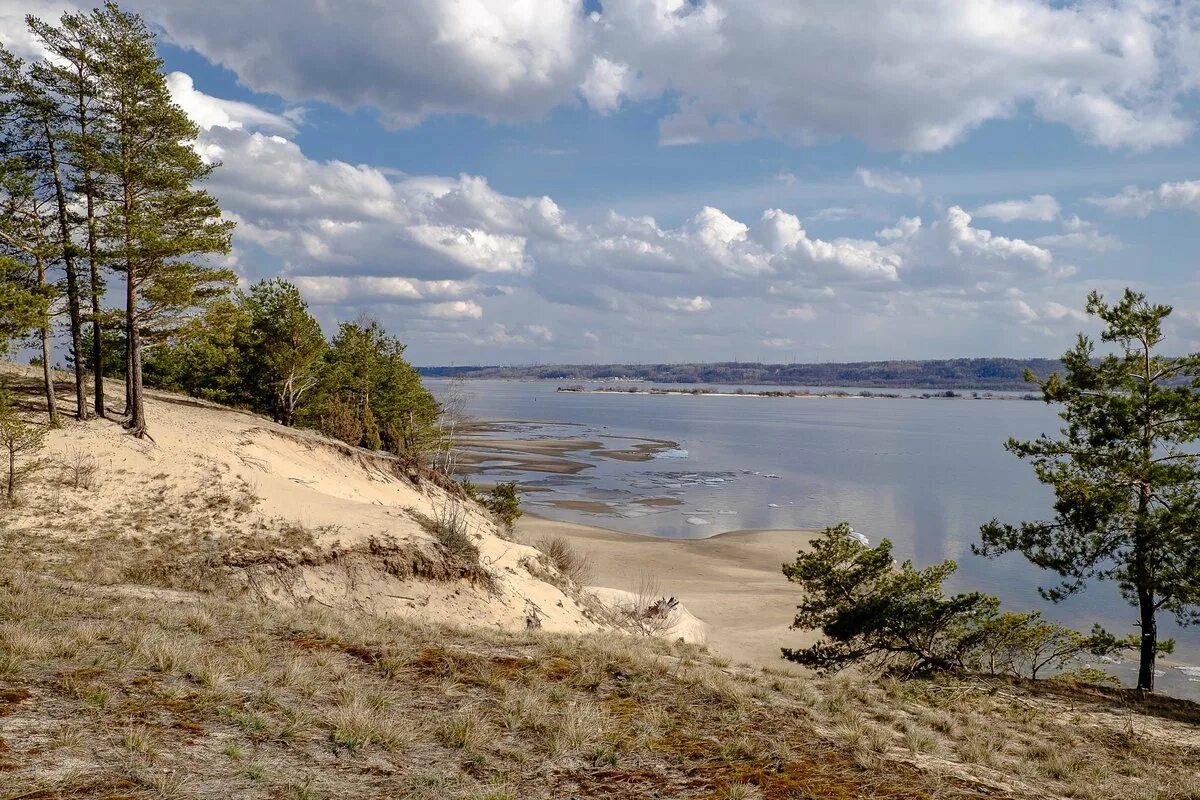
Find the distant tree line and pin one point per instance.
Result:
(996, 374)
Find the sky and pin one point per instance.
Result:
(539, 181)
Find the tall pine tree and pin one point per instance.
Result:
(32, 133)
(158, 226)
(26, 220)
(1125, 473)
(70, 78)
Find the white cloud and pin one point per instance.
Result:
(1037, 208)
(1080, 234)
(605, 83)
(473, 266)
(921, 76)
(209, 112)
(455, 309)
(888, 181)
(905, 228)
(688, 304)
(1134, 202)
(501, 59)
(336, 289)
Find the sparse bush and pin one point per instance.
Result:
(79, 469)
(575, 566)
(647, 611)
(1023, 644)
(504, 502)
(18, 441)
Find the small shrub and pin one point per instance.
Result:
(575, 566)
(18, 441)
(449, 528)
(79, 469)
(504, 502)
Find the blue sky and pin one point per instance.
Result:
(514, 181)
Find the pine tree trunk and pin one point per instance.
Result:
(89, 190)
(1149, 644)
(48, 378)
(1143, 580)
(12, 473)
(128, 376)
(44, 335)
(136, 424)
(81, 411)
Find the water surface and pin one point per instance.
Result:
(924, 473)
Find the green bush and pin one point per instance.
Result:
(504, 502)
(894, 617)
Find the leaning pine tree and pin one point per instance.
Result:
(1125, 472)
(157, 223)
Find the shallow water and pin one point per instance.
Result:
(924, 473)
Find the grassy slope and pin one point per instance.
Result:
(125, 691)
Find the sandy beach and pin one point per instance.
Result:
(733, 582)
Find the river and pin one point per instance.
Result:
(924, 473)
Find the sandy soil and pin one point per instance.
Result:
(212, 471)
(732, 582)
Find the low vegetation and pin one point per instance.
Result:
(896, 619)
(138, 693)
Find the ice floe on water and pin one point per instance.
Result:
(697, 521)
(772, 505)
(678, 452)
(858, 537)
(678, 480)
(1192, 673)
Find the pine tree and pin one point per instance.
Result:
(285, 348)
(158, 223)
(26, 218)
(1125, 473)
(365, 371)
(32, 133)
(69, 76)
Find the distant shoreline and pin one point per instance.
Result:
(959, 374)
(948, 394)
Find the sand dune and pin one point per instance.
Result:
(732, 582)
(214, 472)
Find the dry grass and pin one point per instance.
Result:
(105, 694)
(571, 564)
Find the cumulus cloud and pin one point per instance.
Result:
(920, 77)
(1134, 202)
(1038, 208)
(604, 85)
(453, 260)
(209, 112)
(888, 181)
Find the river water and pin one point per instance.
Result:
(924, 473)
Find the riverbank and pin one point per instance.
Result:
(832, 394)
(733, 581)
